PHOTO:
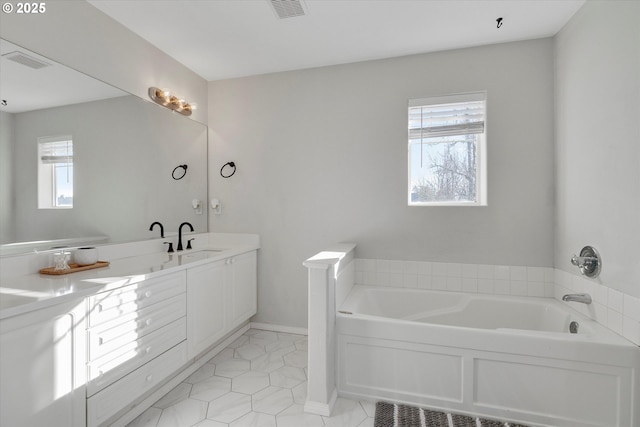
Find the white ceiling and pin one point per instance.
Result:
(221, 39)
(27, 89)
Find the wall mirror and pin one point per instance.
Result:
(82, 162)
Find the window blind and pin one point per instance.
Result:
(446, 116)
(56, 152)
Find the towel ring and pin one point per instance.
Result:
(184, 172)
(231, 165)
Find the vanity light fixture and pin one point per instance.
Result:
(172, 102)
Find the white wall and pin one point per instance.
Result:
(598, 140)
(6, 177)
(321, 157)
(80, 36)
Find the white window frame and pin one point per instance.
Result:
(48, 158)
(481, 146)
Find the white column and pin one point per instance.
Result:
(323, 271)
(321, 387)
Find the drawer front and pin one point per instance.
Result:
(107, 306)
(122, 394)
(120, 362)
(131, 327)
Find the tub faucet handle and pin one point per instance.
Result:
(589, 262)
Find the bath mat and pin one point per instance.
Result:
(395, 415)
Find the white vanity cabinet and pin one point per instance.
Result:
(242, 286)
(42, 360)
(220, 296)
(135, 339)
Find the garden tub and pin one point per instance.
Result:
(511, 358)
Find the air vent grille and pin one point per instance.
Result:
(26, 60)
(288, 8)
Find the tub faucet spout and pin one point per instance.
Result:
(583, 298)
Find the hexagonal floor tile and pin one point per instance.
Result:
(294, 416)
(263, 338)
(272, 400)
(186, 413)
(211, 423)
(267, 362)
(205, 371)
(239, 342)
(300, 393)
(210, 388)
(232, 368)
(177, 395)
(302, 344)
(255, 419)
(287, 377)
(249, 351)
(279, 345)
(229, 407)
(250, 382)
(346, 413)
(148, 418)
(225, 354)
(296, 358)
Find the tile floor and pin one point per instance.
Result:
(259, 380)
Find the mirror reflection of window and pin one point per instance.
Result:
(55, 172)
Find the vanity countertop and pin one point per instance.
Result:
(22, 294)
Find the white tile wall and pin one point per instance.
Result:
(472, 278)
(612, 309)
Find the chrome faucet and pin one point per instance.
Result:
(583, 298)
(180, 234)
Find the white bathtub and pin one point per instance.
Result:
(499, 357)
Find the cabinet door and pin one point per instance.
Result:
(206, 308)
(242, 287)
(41, 367)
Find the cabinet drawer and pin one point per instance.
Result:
(125, 359)
(131, 327)
(111, 305)
(123, 393)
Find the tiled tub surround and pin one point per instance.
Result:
(610, 308)
(493, 356)
(536, 376)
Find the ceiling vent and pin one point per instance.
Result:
(26, 60)
(288, 8)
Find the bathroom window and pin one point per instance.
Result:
(447, 155)
(55, 172)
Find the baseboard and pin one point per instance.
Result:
(321, 408)
(279, 328)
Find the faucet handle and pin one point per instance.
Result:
(170, 250)
(189, 243)
(589, 262)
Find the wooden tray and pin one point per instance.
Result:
(74, 268)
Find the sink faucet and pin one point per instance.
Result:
(180, 234)
(161, 228)
(583, 298)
